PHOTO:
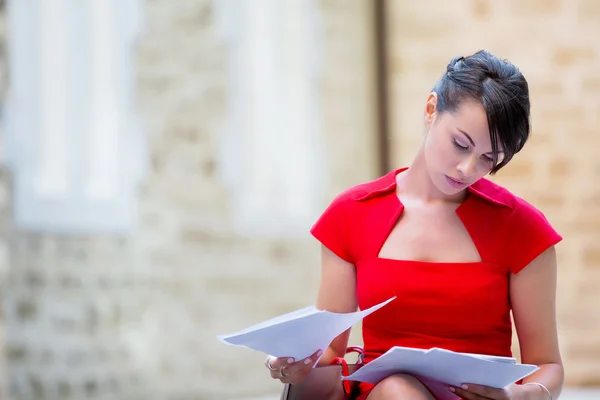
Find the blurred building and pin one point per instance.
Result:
(163, 161)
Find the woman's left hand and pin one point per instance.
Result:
(470, 391)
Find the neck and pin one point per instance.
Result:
(416, 184)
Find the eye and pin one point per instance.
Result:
(458, 146)
(488, 158)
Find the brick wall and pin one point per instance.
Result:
(555, 45)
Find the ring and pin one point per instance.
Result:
(268, 364)
(281, 375)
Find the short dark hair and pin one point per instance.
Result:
(502, 90)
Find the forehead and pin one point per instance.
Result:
(471, 117)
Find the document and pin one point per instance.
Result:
(297, 334)
(438, 368)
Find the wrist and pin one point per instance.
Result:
(527, 392)
(518, 392)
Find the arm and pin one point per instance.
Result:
(337, 293)
(533, 298)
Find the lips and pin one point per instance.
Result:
(456, 183)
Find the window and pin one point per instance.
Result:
(72, 136)
(271, 147)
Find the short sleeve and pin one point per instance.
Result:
(529, 235)
(331, 229)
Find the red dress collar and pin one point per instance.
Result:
(483, 188)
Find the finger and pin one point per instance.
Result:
(277, 363)
(315, 356)
(308, 361)
(269, 362)
(291, 374)
(465, 394)
(486, 391)
(289, 368)
(301, 367)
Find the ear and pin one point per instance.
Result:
(430, 108)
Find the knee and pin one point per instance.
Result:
(400, 386)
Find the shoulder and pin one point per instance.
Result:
(336, 226)
(366, 190)
(519, 209)
(523, 229)
(343, 225)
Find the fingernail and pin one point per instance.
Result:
(464, 387)
(290, 360)
(451, 389)
(307, 361)
(320, 353)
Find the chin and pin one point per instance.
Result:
(450, 192)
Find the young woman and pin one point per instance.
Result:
(458, 251)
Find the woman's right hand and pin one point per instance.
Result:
(287, 370)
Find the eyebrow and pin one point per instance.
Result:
(468, 137)
(473, 143)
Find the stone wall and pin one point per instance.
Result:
(554, 44)
(4, 207)
(137, 317)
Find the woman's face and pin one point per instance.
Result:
(458, 148)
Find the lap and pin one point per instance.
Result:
(400, 386)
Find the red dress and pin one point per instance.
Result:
(457, 306)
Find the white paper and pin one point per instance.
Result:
(297, 334)
(509, 360)
(439, 368)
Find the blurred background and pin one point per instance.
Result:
(162, 162)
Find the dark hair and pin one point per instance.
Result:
(502, 90)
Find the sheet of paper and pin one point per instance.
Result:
(447, 367)
(455, 368)
(297, 334)
(510, 360)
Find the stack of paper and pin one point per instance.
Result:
(298, 334)
(439, 368)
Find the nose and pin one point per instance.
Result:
(466, 167)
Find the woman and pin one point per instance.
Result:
(458, 251)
